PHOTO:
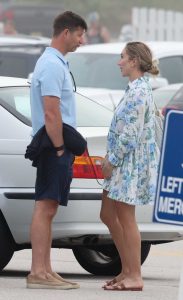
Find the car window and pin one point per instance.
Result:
(96, 70)
(177, 100)
(88, 113)
(91, 114)
(162, 97)
(13, 66)
(19, 61)
(172, 68)
(17, 101)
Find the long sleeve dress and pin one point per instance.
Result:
(131, 147)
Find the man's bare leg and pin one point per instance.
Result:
(48, 263)
(40, 278)
(43, 215)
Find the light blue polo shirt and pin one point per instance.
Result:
(51, 77)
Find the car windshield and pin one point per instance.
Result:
(95, 70)
(22, 58)
(88, 113)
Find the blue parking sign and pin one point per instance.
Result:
(168, 206)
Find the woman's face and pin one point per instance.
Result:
(126, 64)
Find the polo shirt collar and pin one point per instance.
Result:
(58, 54)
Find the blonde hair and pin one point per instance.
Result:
(143, 54)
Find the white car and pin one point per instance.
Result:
(23, 39)
(77, 226)
(19, 54)
(163, 95)
(98, 76)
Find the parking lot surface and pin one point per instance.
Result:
(161, 273)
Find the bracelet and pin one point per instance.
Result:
(59, 148)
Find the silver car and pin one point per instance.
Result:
(78, 226)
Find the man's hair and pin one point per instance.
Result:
(68, 20)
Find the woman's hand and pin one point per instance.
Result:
(107, 168)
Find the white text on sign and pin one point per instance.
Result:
(168, 204)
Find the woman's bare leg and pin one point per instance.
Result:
(110, 218)
(132, 249)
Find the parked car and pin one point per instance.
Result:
(176, 101)
(23, 39)
(98, 76)
(78, 226)
(163, 95)
(94, 67)
(18, 54)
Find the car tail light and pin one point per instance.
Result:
(86, 166)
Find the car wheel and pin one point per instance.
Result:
(7, 244)
(145, 248)
(104, 261)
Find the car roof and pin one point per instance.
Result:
(174, 86)
(23, 49)
(23, 40)
(159, 49)
(12, 81)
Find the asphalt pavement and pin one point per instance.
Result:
(161, 273)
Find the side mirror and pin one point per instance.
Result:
(157, 82)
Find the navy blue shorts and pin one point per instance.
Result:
(54, 176)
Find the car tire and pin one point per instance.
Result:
(104, 261)
(7, 244)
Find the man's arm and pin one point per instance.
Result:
(53, 121)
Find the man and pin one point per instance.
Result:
(97, 33)
(52, 101)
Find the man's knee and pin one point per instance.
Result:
(48, 208)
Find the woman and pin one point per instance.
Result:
(130, 166)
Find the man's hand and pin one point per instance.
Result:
(107, 168)
(60, 153)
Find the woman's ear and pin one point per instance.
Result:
(135, 62)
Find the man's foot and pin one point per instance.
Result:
(61, 279)
(46, 282)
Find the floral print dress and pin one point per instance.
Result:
(131, 147)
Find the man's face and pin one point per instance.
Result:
(75, 39)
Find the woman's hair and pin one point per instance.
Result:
(143, 54)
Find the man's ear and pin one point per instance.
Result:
(66, 32)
